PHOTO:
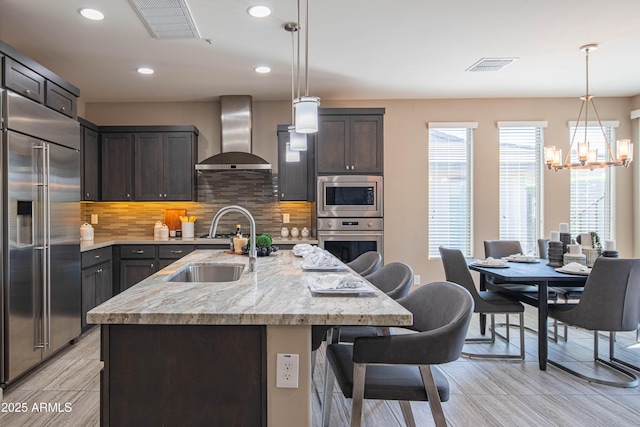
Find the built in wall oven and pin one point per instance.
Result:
(348, 238)
(349, 196)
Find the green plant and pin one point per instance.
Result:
(264, 241)
(595, 242)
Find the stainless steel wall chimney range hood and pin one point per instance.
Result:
(235, 138)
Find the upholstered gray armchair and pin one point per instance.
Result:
(399, 367)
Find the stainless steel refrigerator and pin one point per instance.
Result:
(40, 215)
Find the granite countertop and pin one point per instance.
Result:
(277, 293)
(101, 242)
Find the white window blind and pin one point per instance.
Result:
(521, 184)
(592, 191)
(450, 188)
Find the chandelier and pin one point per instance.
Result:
(306, 107)
(588, 158)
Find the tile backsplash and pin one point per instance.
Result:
(256, 191)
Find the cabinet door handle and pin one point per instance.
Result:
(87, 194)
(282, 194)
(165, 195)
(347, 167)
(62, 108)
(96, 256)
(27, 91)
(352, 167)
(140, 251)
(160, 196)
(128, 196)
(99, 271)
(151, 265)
(179, 251)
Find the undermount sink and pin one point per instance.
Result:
(209, 273)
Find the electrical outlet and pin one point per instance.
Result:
(94, 218)
(287, 370)
(416, 279)
(285, 218)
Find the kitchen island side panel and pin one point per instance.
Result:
(196, 375)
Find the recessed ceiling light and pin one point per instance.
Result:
(262, 69)
(145, 70)
(259, 11)
(93, 14)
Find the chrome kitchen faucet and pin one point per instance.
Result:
(253, 253)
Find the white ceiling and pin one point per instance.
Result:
(359, 49)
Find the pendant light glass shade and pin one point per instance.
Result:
(297, 141)
(306, 114)
(291, 156)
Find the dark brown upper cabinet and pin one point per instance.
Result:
(90, 164)
(117, 166)
(23, 80)
(164, 166)
(350, 141)
(149, 163)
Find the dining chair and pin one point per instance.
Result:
(366, 263)
(610, 302)
(400, 367)
(492, 303)
(503, 248)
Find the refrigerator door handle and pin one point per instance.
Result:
(45, 342)
(47, 250)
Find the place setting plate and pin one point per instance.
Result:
(340, 285)
(490, 264)
(522, 259)
(574, 268)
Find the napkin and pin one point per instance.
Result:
(320, 260)
(303, 249)
(335, 281)
(576, 267)
(493, 261)
(520, 257)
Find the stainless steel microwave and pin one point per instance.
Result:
(349, 196)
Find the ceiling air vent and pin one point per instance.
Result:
(490, 64)
(166, 19)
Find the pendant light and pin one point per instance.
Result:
(297, 141)
(587, 158)
(306, 107)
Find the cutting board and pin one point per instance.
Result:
(172, 218)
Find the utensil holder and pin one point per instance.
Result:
(187, 230)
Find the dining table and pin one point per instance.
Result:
(536, 273)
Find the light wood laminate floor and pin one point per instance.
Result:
(483, 392)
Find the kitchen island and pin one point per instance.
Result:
(202, 353)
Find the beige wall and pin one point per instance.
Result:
(406, 165)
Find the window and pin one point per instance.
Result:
(521, 166)
(592, 191)
(450, 187)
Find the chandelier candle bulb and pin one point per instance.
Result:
(549, 154)
(557, 158)
(592, 156)
(583, 151)
(625, 150)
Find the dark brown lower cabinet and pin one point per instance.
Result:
(188, 375)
